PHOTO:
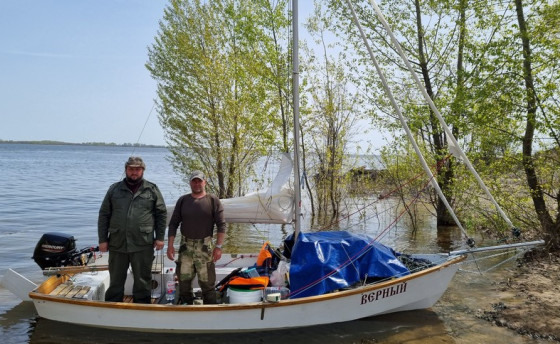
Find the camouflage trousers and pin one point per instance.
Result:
(195, 260)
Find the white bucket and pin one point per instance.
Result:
(244, 296)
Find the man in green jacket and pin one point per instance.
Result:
(132, 221)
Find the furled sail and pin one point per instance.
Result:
(272, 205)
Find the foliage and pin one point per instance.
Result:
(332, 111)
(491, 69)
(217, 89)
(481, 63)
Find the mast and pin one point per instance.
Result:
(295, 91)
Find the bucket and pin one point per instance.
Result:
(244, 295)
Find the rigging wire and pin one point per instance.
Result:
(140, 135)
(143, 128)
(369, 246)
(404, 123)
(453, 145)
(492, 267)
(438, 166)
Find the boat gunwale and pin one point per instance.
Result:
(57, 280)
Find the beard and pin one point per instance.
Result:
(131, 181)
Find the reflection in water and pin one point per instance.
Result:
(449, 237)
(18, 323)
(391, 328)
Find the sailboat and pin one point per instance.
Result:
(367, 279)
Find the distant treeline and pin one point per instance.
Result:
(49, 142)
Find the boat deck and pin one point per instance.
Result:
(71, 291)
(80, 292)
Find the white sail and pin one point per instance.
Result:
(274, 204)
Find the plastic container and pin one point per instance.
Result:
(283, 291)
(274, 297)
(252, 272)
(244, 295)
(170, 294)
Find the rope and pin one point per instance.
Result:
(413, 201)
(261, 234)
(389, 193)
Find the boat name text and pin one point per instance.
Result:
(383, 293)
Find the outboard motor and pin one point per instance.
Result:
(59, 249)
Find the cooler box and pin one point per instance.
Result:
(98, 282)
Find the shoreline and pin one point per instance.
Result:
(61, 143)
(528, 299)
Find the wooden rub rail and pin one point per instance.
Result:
(129, 299)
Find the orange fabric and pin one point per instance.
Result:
(249, 283)
(264, 254)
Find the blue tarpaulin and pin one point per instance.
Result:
(325, 261)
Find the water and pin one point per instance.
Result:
(60, 189)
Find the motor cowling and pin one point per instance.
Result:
(55, 250)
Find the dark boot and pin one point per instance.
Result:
(209, 298)
(186, 299)
(185, 293)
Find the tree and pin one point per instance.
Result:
(549, 224)
(431, 49)
(215, 87)
(494, 97)
(330, 115)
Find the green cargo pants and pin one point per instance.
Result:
(141, 264)
(195, 260)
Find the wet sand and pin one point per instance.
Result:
(528, 300)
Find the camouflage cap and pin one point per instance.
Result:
(197, 174)
(135, 161)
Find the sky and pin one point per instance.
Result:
(74, 70)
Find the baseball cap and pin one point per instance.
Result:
(197, 174)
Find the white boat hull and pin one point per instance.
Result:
(416, 291)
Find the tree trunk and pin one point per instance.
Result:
(549, 226)
(444, 179)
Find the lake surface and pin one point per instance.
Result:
(60, 189)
